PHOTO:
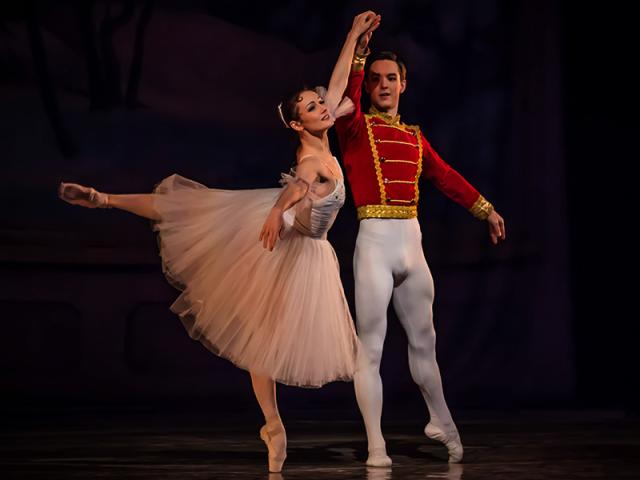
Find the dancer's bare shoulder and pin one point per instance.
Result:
(320, 164)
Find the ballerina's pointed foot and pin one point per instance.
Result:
(275, 437)
(451, 440)
(84, 196)
(378, 458)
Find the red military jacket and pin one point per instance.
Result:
(384, 160)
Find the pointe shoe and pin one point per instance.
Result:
(268, 433)
(378, 458)
(83, 196)
(450, 439)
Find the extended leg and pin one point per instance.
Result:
(374, 284)
(272, 433)
(138, 203)
(412, 301)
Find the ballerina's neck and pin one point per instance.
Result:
(314, 141)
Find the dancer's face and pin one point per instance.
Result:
(384, 85)
(312, 112)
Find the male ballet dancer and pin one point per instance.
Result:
(384, 159)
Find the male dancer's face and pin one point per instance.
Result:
(384, 85)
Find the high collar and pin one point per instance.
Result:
(385, 116)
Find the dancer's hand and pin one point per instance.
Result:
(496, 227)
(364, 25)
(365, 37)
(271, 228)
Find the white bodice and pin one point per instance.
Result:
(315, 213)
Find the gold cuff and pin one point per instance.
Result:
(387, 211)
(359, 60)
(481, 208)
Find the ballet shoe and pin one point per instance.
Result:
(451, 440)
(268, 433)
(84, 196)
(378, 458)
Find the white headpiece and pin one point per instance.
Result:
(282, 116)
(321, 91)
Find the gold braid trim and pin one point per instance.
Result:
(386, 160)
(385, 116)
(387, 211)
(481, 208)
(416, 132)
(376, 159)
(379, 140)
(359, 59)
(400, 127)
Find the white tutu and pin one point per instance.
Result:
(281, 313)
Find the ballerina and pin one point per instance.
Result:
(264, 294)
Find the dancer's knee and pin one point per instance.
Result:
(422, 342)
(370, 352)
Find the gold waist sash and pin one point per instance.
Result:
(387, 211)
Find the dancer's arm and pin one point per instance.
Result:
(446, 178)
(458, 189)
(348, 125)
(306, 173)
(363, 25)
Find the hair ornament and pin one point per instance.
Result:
(282, 116)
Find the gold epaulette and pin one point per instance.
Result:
(387, 211)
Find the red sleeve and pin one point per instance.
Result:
(347, 125)
(443, 176)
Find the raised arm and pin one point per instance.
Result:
(363, 25)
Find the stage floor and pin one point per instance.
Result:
(166, 445)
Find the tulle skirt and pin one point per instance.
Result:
(281, 313)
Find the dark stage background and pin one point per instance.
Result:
(526, 99)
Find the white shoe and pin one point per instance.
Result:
(450, 439)
(83, 196)
(378, 458)
(277, 455)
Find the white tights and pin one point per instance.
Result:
(389, 260)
